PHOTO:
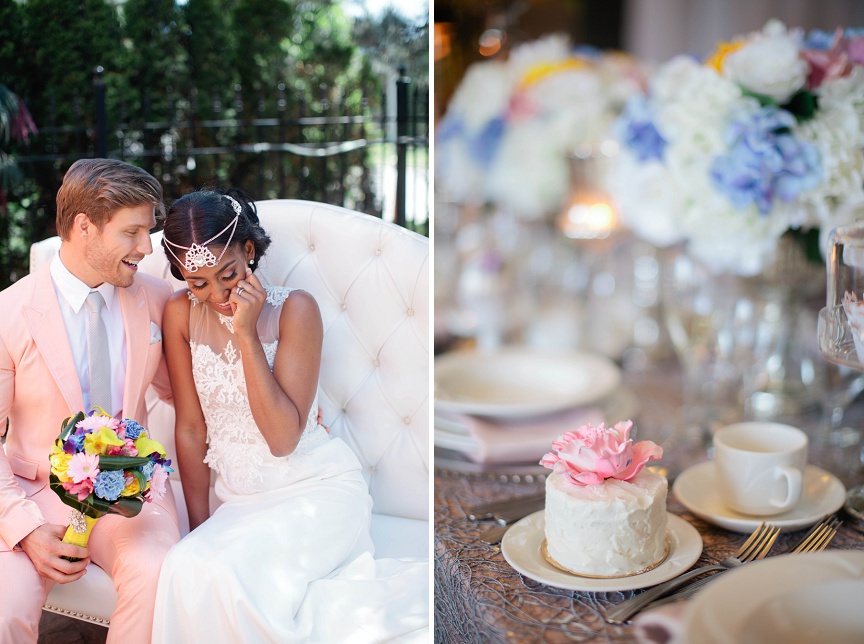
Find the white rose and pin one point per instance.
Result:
(769, 64)
(648, 199)
(483, 94)
(530, 174)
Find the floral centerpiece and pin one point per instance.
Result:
(590, 455)
(510, 125)
(101, 465)
(732, 153)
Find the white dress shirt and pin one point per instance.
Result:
(71, 294)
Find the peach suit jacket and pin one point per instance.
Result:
(39, 388)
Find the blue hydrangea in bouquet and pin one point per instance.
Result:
(104, 465)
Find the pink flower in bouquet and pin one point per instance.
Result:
(157, 483)
(838, 60)
(83, 466)
(590, 455)
(97, 421)
(82, 489)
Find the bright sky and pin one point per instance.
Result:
(415, 10)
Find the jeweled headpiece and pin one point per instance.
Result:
(198, 255)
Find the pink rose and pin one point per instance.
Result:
(590, 455)
(836, 62)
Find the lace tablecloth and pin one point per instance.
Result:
(480, 598)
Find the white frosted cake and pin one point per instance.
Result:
(605, 515)
(611, 529)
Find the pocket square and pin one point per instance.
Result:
(155, 333)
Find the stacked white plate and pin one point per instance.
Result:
(517, 386)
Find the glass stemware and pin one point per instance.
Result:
(841, 331)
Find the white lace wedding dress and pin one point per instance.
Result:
(287, 556)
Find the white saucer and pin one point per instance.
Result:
(521, 549)
(518, 382)
(765, 598)
(696, 488)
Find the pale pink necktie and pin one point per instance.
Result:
(98, 354)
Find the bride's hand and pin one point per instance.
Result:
(247, 299)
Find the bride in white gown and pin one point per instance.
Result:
(287, 556)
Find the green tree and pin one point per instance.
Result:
(12, 47)
(155, 60)
(259, 27)
(391, 41)
(67, 40)
(209, 42)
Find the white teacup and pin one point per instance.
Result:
(760, 466)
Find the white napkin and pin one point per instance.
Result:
(524, 440)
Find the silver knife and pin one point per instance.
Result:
(487, 510)
(508, 518)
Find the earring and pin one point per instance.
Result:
(251, 261)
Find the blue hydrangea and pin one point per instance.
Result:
(450, 127)
(133, 429)
(635, 127)
(484, 147)
(819, 40)
(147, 470)
(109, 484)
(765, 161)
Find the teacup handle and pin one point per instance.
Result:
(793, 486)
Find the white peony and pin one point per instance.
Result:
(769, 63)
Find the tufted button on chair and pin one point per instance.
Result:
(371, 281)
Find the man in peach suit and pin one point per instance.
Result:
(105, 210)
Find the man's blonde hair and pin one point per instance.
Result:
(101, 187)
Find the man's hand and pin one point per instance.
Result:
(46, 550)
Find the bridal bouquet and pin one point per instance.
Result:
(511, 124)
(731, 153)
(101, 465)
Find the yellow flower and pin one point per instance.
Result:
(60, 462)
(147, 446)
(132, 487)
(716, 59)
(541, 71)
(97, 442)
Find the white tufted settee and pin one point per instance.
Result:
(371, 281)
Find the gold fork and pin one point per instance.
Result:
(756, 547)
(814, 541)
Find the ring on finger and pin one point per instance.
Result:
(239, 290)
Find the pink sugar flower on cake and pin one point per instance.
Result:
(590, 455)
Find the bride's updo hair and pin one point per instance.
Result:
(198, 218)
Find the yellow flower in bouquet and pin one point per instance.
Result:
(104, 465)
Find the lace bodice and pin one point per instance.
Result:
(236, 448)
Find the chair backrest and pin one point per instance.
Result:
(371, 281)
